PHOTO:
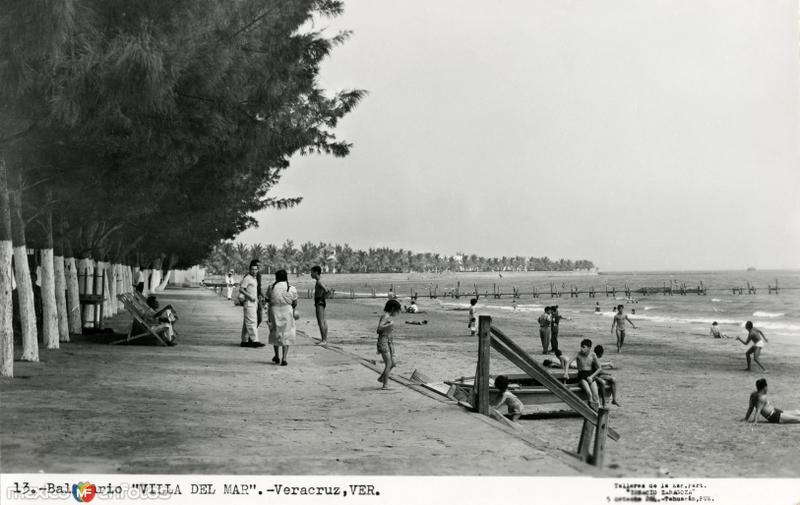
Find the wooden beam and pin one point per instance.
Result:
(482, 373)
(600, 437)
(583, 442)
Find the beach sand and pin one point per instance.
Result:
(208, 406)
(683, 394)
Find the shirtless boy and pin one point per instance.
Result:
(757, 339)
(760, 403)
(619, 323)
(588, 369)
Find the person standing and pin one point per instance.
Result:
(229, 284)
(544, 329)
(248, 297)
(282, 300)
(321, 294)
(555, 319)
(140, 280)
(619, 324)
(473, 317)
(756, 341)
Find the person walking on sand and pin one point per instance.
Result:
(229, 284)
(544, 329)
(321, 294)
(473, 316)
(248, 298)
(759, 403)
(385, 341)
(755, 342)
(282, 302)
(619, 324)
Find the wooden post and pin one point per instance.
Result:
(600, 436)
(6, 274)
(585, 440)
(482, 373)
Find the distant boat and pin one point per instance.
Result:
(751, 269)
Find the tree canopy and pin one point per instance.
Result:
(160, 127)
(343, 258)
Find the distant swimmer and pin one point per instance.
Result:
(619, 324)
(759, 403)
(756, 341)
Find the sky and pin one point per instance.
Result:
(657, 135)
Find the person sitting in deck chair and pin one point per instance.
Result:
(166, 318)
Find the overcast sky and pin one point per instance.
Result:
(641, 135)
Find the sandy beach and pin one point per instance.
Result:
(208, 406)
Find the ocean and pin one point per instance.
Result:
(776, 314)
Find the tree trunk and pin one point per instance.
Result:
(60, 283)
(163, 285)
(146, 273)
(27, 309)
(113, 274)
(86, 283)
(155, 279)
(73, 291)
(50, 336)
(49, 311)
(99, 289)
(6, 253)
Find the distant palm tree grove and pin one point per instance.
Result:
(344, 259)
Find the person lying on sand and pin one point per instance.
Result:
(760, 403)
(417, 322)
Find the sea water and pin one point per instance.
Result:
(776, 314)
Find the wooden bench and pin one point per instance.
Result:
(146, 317)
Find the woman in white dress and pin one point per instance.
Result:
(282, 299)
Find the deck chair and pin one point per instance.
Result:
(147, 319)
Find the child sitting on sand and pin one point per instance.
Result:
(715, 331)
(385, 343)
(514, 405)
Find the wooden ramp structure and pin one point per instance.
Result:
(491, 337)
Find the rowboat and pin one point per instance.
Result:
(529, 391)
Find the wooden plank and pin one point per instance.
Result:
(519, 357)
(482, 374)
(600, 437)
(585, 440)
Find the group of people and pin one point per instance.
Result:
(548, 328)
(279, 302)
